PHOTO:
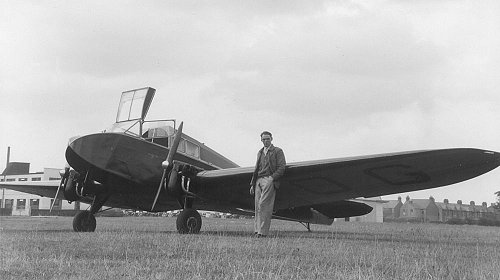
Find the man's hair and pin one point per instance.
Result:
(266, 133)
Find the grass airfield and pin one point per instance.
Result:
(150, 248)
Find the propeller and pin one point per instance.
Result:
(64, 178)
(168, 163)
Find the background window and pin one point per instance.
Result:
(57, 204)
(9, 203)
(21, 204)
(34, 203)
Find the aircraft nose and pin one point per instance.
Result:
(89, 151)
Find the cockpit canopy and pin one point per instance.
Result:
(134, 104)
(132, 111)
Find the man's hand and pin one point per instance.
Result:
(252, 190)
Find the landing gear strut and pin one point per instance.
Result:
(189, 220)
(307, 225)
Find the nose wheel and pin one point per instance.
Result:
(85, 221)
(189, 221)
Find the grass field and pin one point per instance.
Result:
(150, 248)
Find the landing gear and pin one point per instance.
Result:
(84, 221)
(189, 221)
(307, 225)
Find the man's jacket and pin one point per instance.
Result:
(277, 165)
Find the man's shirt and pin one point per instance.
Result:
(264, 165)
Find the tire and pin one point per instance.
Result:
(189, 221)
(84, 221)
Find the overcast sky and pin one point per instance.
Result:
(328, 78)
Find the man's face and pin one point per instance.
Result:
(266, 140)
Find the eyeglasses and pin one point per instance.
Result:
(266, 139)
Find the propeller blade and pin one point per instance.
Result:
(175, 145)
(167, 164)
(159, 189)
(55, 198)
(61, 185)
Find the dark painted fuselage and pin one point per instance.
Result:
(130, 168)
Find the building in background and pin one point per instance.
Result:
(392, 210)
(428, 210)
(22, 204)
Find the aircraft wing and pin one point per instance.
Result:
(41, 188)
(324, 181)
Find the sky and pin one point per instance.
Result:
(328, 78)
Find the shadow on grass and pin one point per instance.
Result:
(35, 230)
(342, 236)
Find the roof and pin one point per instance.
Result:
(419, 203)
(391, 203)
(16, 168)
(463, 207)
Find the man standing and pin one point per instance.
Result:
(269, 168)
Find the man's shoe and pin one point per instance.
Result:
(260, 235)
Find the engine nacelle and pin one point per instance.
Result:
(72, 187)
(180, 178)
(174, 184)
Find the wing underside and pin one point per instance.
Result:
(41, 188)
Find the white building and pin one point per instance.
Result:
(22, 204)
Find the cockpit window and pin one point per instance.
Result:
(134, 104)
(124, 107)
(189, 148)
(192, 149)
(129, 127)
(159, 128)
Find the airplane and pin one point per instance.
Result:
(151, 165)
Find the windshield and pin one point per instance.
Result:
(148, 129)
(129, 127)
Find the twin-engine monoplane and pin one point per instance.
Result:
(151, 165)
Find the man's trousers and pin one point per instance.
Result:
(264, 204)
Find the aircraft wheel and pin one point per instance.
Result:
(189, 221)
(84, 221)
